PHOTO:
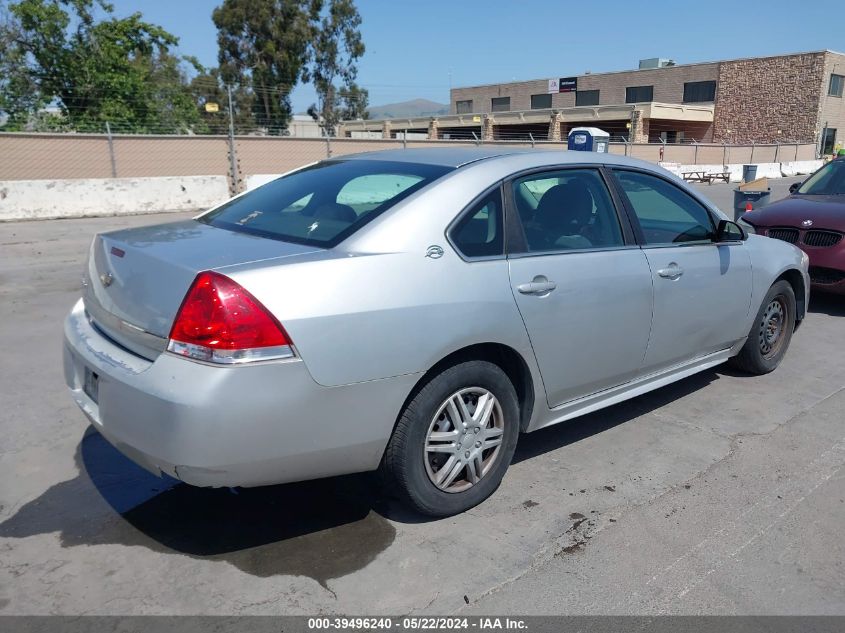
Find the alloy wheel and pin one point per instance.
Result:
(464, 439)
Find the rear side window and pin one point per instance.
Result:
(479, 232)
(323, 204)
(667, 214)
(566, 210)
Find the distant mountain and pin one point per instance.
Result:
(408, 109)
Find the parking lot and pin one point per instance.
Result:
(722, 494)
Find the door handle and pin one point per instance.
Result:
(673, 271)
(540, 286)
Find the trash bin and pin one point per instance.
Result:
(588, 139)
(758, 200)
(749, 173)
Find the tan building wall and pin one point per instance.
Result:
(832, 110)
(778, 99)
(668, 87)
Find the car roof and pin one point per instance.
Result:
(444, 156)
(456, 157)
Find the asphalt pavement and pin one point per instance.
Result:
(719, 494)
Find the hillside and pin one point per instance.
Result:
(408, 109)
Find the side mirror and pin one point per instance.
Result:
(795, 186)
(728, 231)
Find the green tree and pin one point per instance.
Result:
(264, 45)
(19, 93)
(120, 70)
(207, 88)
(336, 48)
(355, 101)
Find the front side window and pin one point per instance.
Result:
(501, 104)
(666, 214)
(479, 233)
(566, 210)
(827, 181)
(325, 203)
(463, 107)
(639, 94)
(837, 82)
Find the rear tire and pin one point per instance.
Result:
(770, 333)
(454, 440)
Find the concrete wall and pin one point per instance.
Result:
(70, 156)
(51, 176)
(764, 170)
(42, 199)
(42, 156)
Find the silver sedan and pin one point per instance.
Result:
(414, 311)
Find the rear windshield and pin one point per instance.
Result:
(323, 204)
(828, 181)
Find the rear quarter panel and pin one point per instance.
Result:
(376, 306)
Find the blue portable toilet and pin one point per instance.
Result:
(589, 139)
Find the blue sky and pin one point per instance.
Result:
(413, 48)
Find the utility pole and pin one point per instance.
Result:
(233, 160)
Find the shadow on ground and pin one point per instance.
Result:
(321, 529)
(577, 429)
(827, 303)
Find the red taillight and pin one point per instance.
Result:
(219, 321)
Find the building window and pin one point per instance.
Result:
(836, 84)
(639, 94)
(501, 104)
(828, 140)
(699, 91)
(541, 102)
(586, 97)
(463, 107)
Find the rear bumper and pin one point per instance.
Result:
(250, 425)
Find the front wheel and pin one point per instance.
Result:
(454, 440)
(771, 332)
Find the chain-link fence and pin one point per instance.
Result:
(29, 156)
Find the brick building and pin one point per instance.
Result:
(782, 99)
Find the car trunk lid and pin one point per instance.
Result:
(136, 279)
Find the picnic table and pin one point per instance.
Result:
(705, 176)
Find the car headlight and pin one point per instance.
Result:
(747, 226)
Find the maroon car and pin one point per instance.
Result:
(813, 218)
